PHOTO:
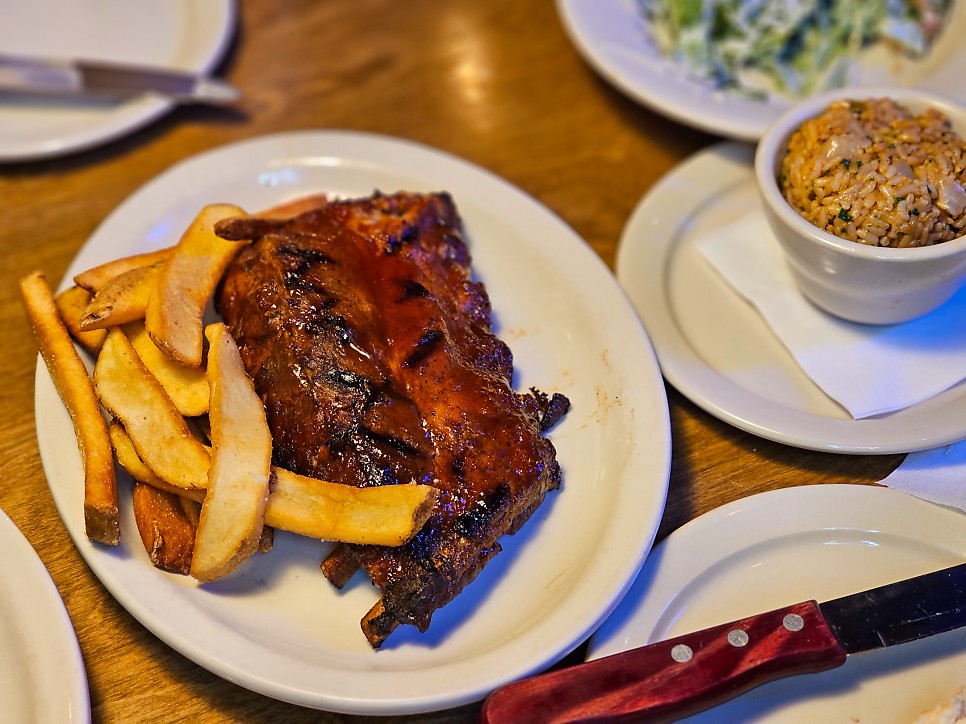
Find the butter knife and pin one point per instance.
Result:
(89, 78)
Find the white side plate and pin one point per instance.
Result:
(717, 350)
(778, 548)
(42, 676)
(182, 34)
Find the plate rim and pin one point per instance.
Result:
(134, 114)
(695, 378)
(36, 581)
(728, 514)
(276, 144)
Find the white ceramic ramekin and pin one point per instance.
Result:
(861, 283)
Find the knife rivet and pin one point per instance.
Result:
(793, 622)
(737, 637)
(682, 653)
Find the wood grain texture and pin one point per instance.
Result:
(493, 81)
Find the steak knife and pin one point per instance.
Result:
(82, 78)
(687, 674)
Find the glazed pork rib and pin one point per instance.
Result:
(372, 350)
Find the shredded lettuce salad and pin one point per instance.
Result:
(794, 47)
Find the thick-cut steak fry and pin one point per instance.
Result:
(372, 350)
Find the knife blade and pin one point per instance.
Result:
(88, 78)
(687, 674)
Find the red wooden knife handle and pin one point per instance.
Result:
(677, 677)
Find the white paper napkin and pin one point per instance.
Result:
(937, 475)
(869, 370)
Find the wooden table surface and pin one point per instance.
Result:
(493, 81)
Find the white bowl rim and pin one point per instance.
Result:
(774, 138)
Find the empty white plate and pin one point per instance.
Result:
(188, 35)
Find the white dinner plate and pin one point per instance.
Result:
(42, 676)
(613, 38)
(774, 549)
(188, 35)
(716, 349)
(277, 626)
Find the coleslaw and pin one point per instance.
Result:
(790, 47)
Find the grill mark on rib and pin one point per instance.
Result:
(424, 347)
(351, 380)
(327, 323)
(294, 280)
(413, 289)
(408, 235)
(472, 522)
(394, 442)
(297, 261)
(303, 258)
(376, 475)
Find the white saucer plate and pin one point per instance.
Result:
(190, 35)
(716, 349)
(42, 676)
(276, 626)
(797, 544)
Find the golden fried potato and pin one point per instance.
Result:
(71, 303)
(192, 510)
(96, 277)
(233, 512)
(188, 277)
(159, 433)
(388, 515)
(166, 528)
(121, 300)
(127, 458)
(70, 377)
(186, 386)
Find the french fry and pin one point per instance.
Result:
(121, 300)
(186, 386)
(96, 277)
(74, 386)
(71, 304)
(386, 515)
(233, 513)
(166, 529)
(192, 510)
(188, 277)
(159, 433)
(266, 541)
(127, 458)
